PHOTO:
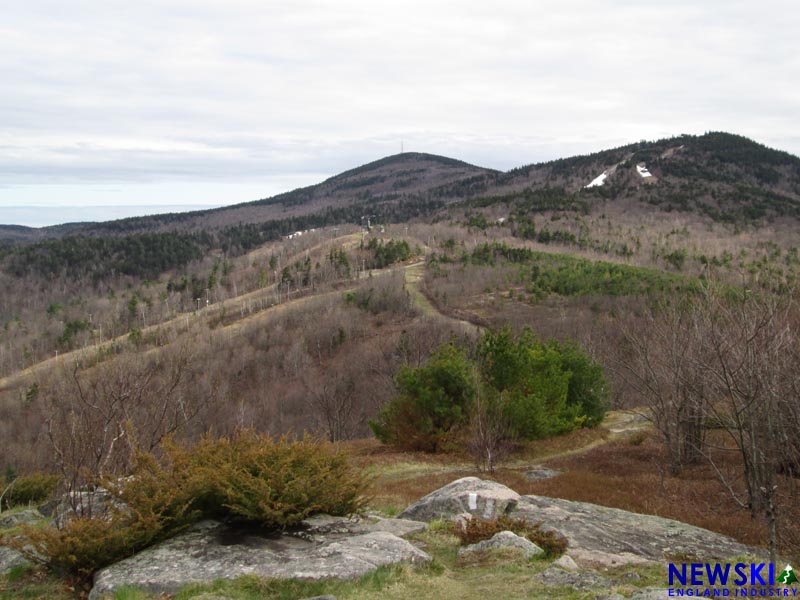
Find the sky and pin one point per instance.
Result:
(170, 102)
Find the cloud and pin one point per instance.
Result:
(97, 91)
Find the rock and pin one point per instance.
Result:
(481, 498)
(538, 472)
(555, 577)
(9, 559)
(398, 527)
(504, 539)
(461, 520)
(95, 503)
(322, 525)
(609, 537)
(211, 550)
(30, 515)
(650, 594)
(565, 562)
(609, 597)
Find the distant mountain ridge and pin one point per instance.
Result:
(389, 179)
(722, 175)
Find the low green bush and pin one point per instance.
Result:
(246, 476)
(34, 488)
(275, 484)
(82, 545)
(432, 403)
(537, 388)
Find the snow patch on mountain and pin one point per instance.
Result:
(598, 181)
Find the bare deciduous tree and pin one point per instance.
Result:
(490, 435)
(99, 418)
(750, 362)
(332, 400)
(726, 362)
(660, 362)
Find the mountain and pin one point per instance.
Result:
(719, 175)
(390, 180)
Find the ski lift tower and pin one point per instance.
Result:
(366, 218)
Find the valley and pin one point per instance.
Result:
(627, 318)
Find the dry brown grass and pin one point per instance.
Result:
(401, 478)
(631, 476)
(625, 472)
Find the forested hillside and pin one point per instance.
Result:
(442, 308)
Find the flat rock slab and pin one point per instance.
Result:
(326, 525)
(211, 550)
(538, 473)
(651, 594)
(608, 536)
(555, 577)
(478, 497)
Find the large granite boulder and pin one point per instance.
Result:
(600, 536)
(538, 473)
(596, 535)
(478, 497)
(327, 548)
(95, 503)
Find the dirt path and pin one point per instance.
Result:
(414, 275)
(617, 423)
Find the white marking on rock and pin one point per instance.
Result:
(489, 510)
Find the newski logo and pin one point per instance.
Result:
(717, 574)
(787, 576)
(726, 580)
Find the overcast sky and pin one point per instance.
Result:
(173, 101)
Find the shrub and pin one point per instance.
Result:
(532, 389)
(246, 476)
(432, 404)
(588, 388)
(476, 530)
(275, 484)
(28, 489)
(82, 545)
(546, 387)
(147, 507)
